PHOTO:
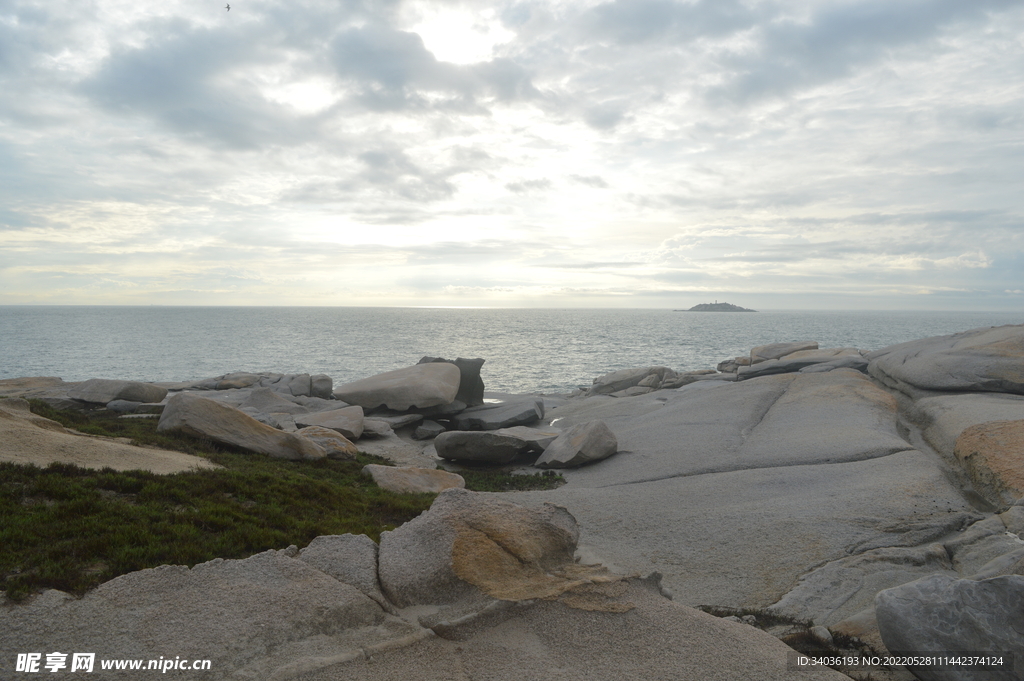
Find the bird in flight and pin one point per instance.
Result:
(229, 8)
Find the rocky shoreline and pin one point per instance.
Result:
(879, 494)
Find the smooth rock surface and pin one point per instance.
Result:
(203, 417)
(942, 614)
(26, 438)
(471, 386)
(944, 417)
(348, 421)
(805, 359)
(421, 385)
(980, 360)
(650, 377)
(412, 480)
(269, 401)
(582, 444)
(513, 412)
(777, 350)
(479, 446)
(101, 391)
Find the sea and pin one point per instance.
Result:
(551, 351)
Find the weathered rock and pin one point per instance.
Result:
(491, 416)
(537, 439)
(348, 421)
(582, 444)
(123, 406)
(428, 430)
(349, 558)
(980, 360)
(481, 446)
(421, 385)
(630, 392)
(650, 377)
(828, 359)
(251, 618)
(469, 542)
(777, 350)
(203, 417)
(397, 420)
(471, 386)
(412, 480)
(441, 411)
(321, 385)
(235, 380)
(336, 445)
(993, 455)
(941, 614)
(101, 391)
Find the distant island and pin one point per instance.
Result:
(716, 307)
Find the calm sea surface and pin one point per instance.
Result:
(527, 350)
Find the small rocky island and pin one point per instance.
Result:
(717, 307)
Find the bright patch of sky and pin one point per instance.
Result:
(645, 153)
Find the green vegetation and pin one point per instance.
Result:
(72, 528)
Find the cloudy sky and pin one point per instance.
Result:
(643, 153)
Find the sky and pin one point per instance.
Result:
(801, 154)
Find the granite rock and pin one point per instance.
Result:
(412, 480)
(649, 377)
(581, 444)
(471, 386)
(479, 446)
(492, 416)
(421, 385)
(428, 430)
(349, 558)
(348, 421)
(778, 350)
(993, 455)
(336, 445)
(101, 391)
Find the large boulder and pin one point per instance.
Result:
(336, 445)
(267, 401)
(581, 444)
(940, 614)
(471, 386)
(412, 480)
(993, 455)
(980, 360)
(479, 446)
(201, 417)
(469, 542)
(348, 421)
(492, 416)
(321, 385)
(421, 385)
(101, 391)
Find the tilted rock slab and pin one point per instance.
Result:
(514, 412)
(336, 445)
(825, 360)
(481, 446)
(412, 480)
(471, 386)
(203, 417)
(945, 615)
(980, 360)
(585, 443)
(648, 377)
(348, 421)
(101, 391)
(349, 558)
(421, 385)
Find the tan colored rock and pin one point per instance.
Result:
(26, 438)
(993, 455)
(204, 417)
(421, 386)
(25, 386)
(412, 480)
(334, 443)
(347, 421)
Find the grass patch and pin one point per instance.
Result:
(73, 528)
(502, 481)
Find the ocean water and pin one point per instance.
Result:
(526, 350)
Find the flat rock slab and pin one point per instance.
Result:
(412, 480)
(26, 438)
(805, 359)
(421, 385)
(583, 444)
(348, 421)
(189, 413)
(546, 641)
(269, 401)
(513, 412)
(537, 438)
(776, 350)
(252, 618)
(784, 420)
(980, 360)
(479, 446)
(743, 538)
(939, 613)
(101, 391)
